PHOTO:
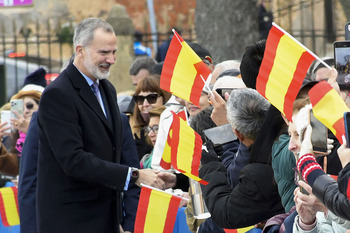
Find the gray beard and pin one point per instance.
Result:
(93, 69)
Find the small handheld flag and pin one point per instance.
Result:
(283, 70)
(329, 108)
(183, 149)
(156, 211)
(184, 74)
(9, 206)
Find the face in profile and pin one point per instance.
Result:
(203, 103)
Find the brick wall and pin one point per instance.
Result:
(169, 13)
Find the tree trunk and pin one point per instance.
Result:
(226, 27)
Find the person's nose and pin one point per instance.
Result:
(111, 58)
(292, 146)
(151, 133)
(145, 102)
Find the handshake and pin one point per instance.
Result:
(155, 178)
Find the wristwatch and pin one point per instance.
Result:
(134, 175)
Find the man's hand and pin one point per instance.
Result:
(150, 177)
(168, 178)
(219, 109)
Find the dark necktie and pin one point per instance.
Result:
(97, 93)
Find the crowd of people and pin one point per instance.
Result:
(82, 152)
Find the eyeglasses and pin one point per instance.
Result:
(151, 98)
(154, 128)
(29, 106)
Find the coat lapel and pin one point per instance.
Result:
(85, 92)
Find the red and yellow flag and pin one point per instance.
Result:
(9, 206)
(156, 211)
(183, 73)
(328, 107)
(240, 230)
(183, 149)
(282, 70)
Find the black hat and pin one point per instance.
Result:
(37, 78)
(305, 87)
(200, 51)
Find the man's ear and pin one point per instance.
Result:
(239, 135)
(285, 119)
(79, 50)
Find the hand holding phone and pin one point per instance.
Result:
(6, 117)
(222, 91)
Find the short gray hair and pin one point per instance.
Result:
(84, 32)
(143, 62)
(246, 110)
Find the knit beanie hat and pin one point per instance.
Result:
(37, 78)
(30, 90)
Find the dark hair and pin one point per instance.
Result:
(251, 62)
(202, 121)
(143, 62)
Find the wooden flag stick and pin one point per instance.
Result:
(150, 187)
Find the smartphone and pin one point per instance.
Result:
(342, 63)
(347, 128)
(347, 31)
(220, 135)
(17, 105)
(6, 117)
(319, 136)
(222, 91)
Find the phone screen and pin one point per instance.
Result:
(347, 128)
(222, 91)
(342, 63)
(319, 136)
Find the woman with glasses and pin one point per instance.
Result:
(147, 96)
(152, 131)
(9, 155)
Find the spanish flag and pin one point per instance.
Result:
(184, 73)
(156, 211)
(9, 206)
(282, 70)
(240, 230)
(183, 149)
(328, 107)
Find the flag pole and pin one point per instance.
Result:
(150, 187)
(303, 46)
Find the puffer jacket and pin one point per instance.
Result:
(326, 189)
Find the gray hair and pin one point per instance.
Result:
(84, 32)
(143, 62)
(246, 110)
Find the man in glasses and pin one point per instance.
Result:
(80, 178)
